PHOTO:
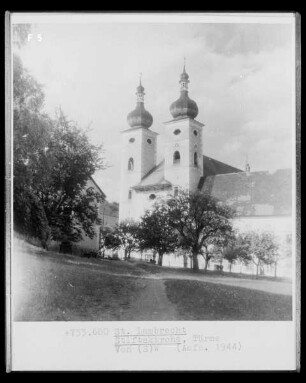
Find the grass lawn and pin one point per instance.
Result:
(47, 289)
(205, 301)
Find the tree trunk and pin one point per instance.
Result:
(125, 254)
(45, 245)
(154, 256)
(185, 261)
(160, 259)
(257, 269)
(275, 270)
(230, 267)
(195, 261)
(206, 263)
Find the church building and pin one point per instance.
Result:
(262, 200)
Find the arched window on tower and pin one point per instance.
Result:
(195, 159)
(131, 164)
(176, 157)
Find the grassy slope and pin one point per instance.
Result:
(205, 301)
(48, 290)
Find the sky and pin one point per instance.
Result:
(241, 77)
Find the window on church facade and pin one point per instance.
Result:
(152, 196)
(176, 157)
(149, 141)
(132, 139)
(195, 132)
(131, 164)
(195, 159)
(176, 132)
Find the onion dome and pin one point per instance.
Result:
(140, 117)
(184, 106)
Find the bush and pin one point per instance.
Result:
(65, 247)
(90, 254)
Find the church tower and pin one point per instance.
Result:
(183, 141)
(138, 154)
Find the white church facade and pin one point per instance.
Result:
(262, 200)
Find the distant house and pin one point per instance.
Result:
(108, 214)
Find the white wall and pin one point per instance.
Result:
(144, 156)
(140, 202)
(183, 174)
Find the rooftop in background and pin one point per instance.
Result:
(213, 167)
(98, 188)
(253, 194)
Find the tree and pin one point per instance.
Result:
(200, 220)
(53, 161)
(108, 240)
(30, 218)
(262, 248)
(236, 250)
(156, 233)
(231, 254)
(61, 181)
(31, 135)
(212, 248)
(126, 234)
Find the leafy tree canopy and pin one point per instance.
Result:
(53, 162)
(261, 248)
(156, 233)
(127, 234)
(200, 221)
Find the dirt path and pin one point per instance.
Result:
(151, 303)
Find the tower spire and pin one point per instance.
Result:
(184, 78)
(140, 90)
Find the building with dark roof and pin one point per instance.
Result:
(253, 193)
